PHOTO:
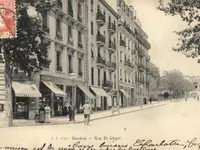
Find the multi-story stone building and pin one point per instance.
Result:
(133, 56)
(95, 53)
(102, 53)
(66, 28)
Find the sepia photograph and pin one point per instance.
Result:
(99, 74)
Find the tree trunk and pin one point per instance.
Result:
(9, 111)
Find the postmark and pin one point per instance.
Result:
(7, 19)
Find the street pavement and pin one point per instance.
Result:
(173, 126)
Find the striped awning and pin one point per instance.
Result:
(54, 88)
(124, 92)
(99, 92)
(26, 89)
(86, 91)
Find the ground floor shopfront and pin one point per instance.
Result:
(126, 96)
(104, 100)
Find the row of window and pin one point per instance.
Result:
(126, 75)
(104, 77)
(70, 63)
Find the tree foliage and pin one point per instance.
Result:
(189, 11)
(28, 51)
(175, 82)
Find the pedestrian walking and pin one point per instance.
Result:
(47, 113)
(186, 99)
(87, 112)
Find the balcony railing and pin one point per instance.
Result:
(100, 60)
(100, 38)
(58, 34)
(70, 40)
(59, 3)
(112, 45)
(79, 18)
(100, 18)
(129, 64)
(141, 52)
(111, 65)
(111, 28)
(107, 84)
(122, 43)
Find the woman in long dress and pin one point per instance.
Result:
(47, 114)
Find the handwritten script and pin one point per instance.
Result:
(139, 144)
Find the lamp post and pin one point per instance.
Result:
(73, 76)
(141, 103)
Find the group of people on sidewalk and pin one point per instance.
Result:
(87, 110)
(44, 115)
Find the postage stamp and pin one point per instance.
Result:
(7, 19)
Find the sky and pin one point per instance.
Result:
(160, 29)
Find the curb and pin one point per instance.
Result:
(79, 122)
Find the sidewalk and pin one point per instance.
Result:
(95, 116)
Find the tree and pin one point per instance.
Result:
(189, 11)
(28, 51)
(175, 82)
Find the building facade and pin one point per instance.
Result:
(95, 53)
(133, 57)
(102, 53)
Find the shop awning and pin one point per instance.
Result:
(124, 92)
(86, 91)
(26, 90)
(54, 88)
(99, 92)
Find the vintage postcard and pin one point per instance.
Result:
(99, 75)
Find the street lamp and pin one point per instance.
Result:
(141, 86)
(73, 76)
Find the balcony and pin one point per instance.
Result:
(107, 84)
(141, 52)
(100, 40)
(101, 62)
(129, 64)
(112, 46)
(111, 28)
(143, 40)
(59, 35)
(100, 18)
(59, 4)
(70, 40)
(80, 18)
(111, 66)
(122, 43)
(148, 58)
(141, 67)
